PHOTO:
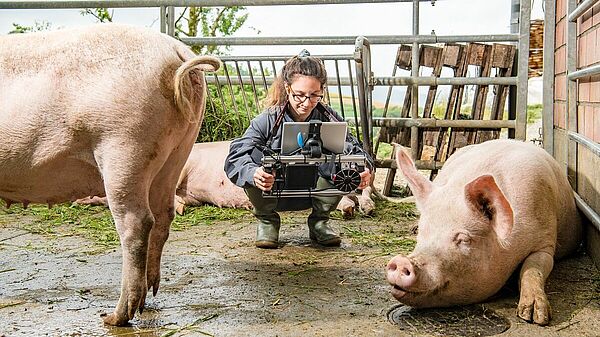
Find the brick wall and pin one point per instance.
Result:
(588, 53)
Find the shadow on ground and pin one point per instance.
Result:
(215, 282)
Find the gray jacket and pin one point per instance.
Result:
(245, 153)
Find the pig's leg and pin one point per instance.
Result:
(162, 199)
(533, 303)
(365, 202)
(128, 203)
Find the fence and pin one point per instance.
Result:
(359, 81)
(572, 101)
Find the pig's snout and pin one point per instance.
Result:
(401, 275)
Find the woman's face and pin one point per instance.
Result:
(303, 93)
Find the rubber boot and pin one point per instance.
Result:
(267, 228)
(267, 231)
(319, 229)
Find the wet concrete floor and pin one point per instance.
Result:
(215, 282)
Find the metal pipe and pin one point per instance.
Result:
(171, 21)
(353, 100)
(432, 80)
(414, 89)
(339, 87)
(345, 40)
(362, 59)
(571, 147)
(331, 192)
(548, 80)
(441, 123)
(523, 70)
(581, 9)
(589, 212)
(420, 164)
(18, 4)
(331, 81)
(282, 58)
(244, 96)
(163, 19)
(585, 72)
(254, 91)
(583, 140)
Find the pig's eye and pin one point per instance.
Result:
(462, 239)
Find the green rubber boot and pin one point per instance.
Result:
(319, 229)
(267, 231)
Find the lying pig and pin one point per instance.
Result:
(493, 207)
(103, 110)
(203, 180)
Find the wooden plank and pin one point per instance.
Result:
(503, 59)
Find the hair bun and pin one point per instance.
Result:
(304, 53)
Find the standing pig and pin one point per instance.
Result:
(102, 110)
(492, 207)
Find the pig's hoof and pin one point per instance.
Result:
(537, 310)
(115, 320)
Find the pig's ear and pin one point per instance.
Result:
(419, 185)
(486, 197)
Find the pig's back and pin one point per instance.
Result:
(530, 178)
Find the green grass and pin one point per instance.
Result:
(95, 222)
(387, 228)
(534, 113)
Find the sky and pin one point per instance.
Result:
(446, 17)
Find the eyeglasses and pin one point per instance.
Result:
(302, 98)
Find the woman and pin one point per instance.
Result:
(295, 96)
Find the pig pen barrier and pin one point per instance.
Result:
(568, 72)
(351, 85)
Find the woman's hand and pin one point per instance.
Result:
(263, 180)
(365, 179)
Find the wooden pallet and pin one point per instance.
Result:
(457, 57)
(431, 57)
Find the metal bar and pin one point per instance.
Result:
(548, 81)
(219, 91)
(255, 94)
(262, 74)
(583, 140)
(585, 72)
(353, 100)
(346, 40)
(523, 69)
(269, 80)
(589, 212)
(274, 69)
(225, 58)
(414, 73)
(581, 9)
(420, 164)
(299, 158)
(230, 85)
(18, 4)
(244, 96)
(362, 61)
(571, 118)
(171, 21)
(341, 98)
(332, 192)
(163, 19)
(442, 123)
(432, 80)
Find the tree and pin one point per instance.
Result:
(37, 26)
(101, 14)
(211, 22)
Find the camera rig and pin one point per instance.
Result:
(296, 174)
